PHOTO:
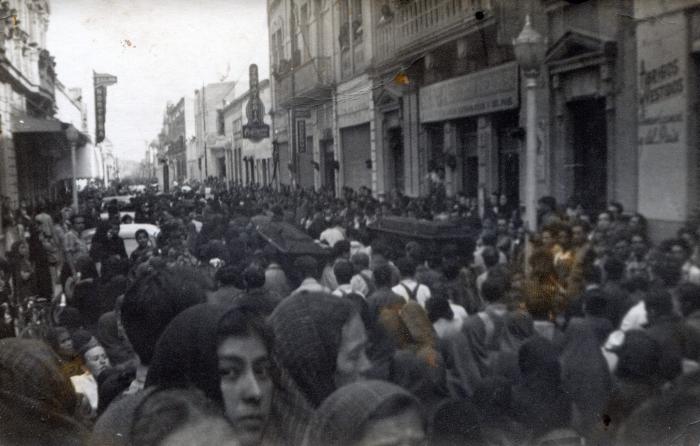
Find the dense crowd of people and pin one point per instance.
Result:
(583, 332)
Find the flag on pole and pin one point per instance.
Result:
(101, 82)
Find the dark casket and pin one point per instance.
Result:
(433, 235)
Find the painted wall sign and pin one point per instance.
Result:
(662, 115)
(473, 94)
(301, 136)
(255, 129)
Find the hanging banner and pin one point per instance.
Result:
(255, 129)
(101, 82)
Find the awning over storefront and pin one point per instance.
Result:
(30, 124)
(218, 142)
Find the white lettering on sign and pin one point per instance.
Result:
(479, 93)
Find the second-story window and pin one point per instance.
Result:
(305, 43)
(344, 18)
(277, 49)
(356, 12)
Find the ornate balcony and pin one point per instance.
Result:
(308, 83)
(417, 22)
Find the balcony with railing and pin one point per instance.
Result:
(417, 22)
(307, 83)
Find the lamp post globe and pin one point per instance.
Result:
(529, 48)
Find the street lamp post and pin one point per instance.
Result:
(529, 48)
(72, 136)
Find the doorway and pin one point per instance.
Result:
(470, 164)
(328, 165)
(509, 165)
(590, 152)
(395, 141)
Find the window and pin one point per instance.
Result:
(304, 44)
(278, 48)
(356, 19)
(344, 17)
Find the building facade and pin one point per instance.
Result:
(211, 145)
(302, 84)
(26, 100)
(426, 91)
(250, 160)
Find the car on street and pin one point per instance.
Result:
(128, 233)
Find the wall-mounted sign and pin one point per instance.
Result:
(662, 121)
(101, 81)
(474, 94)
(255, 129)
(301, 136)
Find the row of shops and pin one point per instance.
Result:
(616, 115)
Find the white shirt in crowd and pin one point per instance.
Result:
(346, 289)
(332, 235)
(422, 293)
(445, 328)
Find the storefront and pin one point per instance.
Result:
(470, 132)
(355, 110)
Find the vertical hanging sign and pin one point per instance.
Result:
(101, 81)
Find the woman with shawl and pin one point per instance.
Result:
(320, 343)
(539, 401)
(518, 328)
(585, 374)
(367, 412)
(37, 402)
(226, 354)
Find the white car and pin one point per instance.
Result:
(123, 203)
(128, 233)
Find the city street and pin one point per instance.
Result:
(349, 222)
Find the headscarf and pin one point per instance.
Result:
(37, 402)
(518, 328)
(540, 402)
(585, 374)
(117, 347)
(308, 333)
(185, 354)
(346, 412)
(467, 354)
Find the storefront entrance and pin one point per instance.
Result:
(355, 143)
(396, 166)
(590, 152)
(328, 165)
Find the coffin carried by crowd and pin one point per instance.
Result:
(290, 241)
(433, 235)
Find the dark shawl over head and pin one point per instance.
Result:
(117, 347)
(37, 402)
(308, 331)
(540, 402)
(342, 417)
(186, 352)
(468, 353)
(518, 328)
(585, 373)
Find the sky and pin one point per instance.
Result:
(160, 50)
